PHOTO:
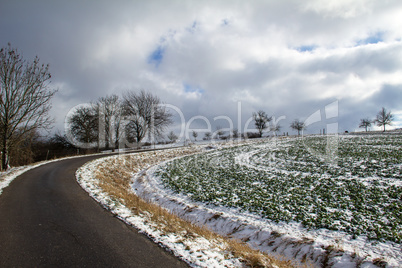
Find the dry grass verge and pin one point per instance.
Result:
(114, 177)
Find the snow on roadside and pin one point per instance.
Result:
(288, 239)
(335, 248)
(6, 177)
(291, 240)
(197, 252)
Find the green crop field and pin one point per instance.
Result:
(355, 188)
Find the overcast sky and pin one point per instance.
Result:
(220, 58)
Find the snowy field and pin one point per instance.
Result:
(196, 251)
(287, 196)
(283, 195)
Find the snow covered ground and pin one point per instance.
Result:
(317, 246)
(6, 177)
(292, 240)
(196, 251)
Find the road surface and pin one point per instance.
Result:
(48, 220)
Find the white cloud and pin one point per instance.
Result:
(272, 55)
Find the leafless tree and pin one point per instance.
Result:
(298, 125)
(276, 128)
(207, 136)
(22, 152)
(24, 99)
(219, 132)
(195, 135)
(172, 137)
(84, 126)
(109, 112)
(235, 133)
(384, 118)
(146, 115)
(261, 121)
(365, 123)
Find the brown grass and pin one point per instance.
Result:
(116, 183)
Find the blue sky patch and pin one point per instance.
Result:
(372, 39)
(156, 56)
(306, 48)
(193, 27)
(191, 89)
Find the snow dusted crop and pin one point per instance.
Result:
(357, 199)
(282, 199)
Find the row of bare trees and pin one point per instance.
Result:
(261, 122)
(25, 103)
(112, 121)
(108, 123)
(383, 118)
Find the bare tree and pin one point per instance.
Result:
(207, 136)
(83, 125)
(384, 118)
(235, 133)
(22, 152)
(60, 141)
(172, 137)
(195, 135)
(298, 125)
(276, 128)
(24, 99)
(261, 121)
(146, 116)
(109, 112)
(365, 123)
(219, 132)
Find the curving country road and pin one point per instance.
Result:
(48, 220)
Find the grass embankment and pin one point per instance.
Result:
(114, 176)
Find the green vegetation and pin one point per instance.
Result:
(359, 192)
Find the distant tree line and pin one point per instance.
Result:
(113, 121)
(25, 103)
(383, 118)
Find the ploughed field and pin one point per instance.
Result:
(348, 183)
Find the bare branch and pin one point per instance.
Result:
(384, 118)
(24, 99)
(146, 116)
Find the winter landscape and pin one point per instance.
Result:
(245, 134)
(282, 199)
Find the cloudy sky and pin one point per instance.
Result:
(339, 60)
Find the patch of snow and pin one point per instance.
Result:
(197, 252)
(289, 239)
(8, 176)
(335, 248)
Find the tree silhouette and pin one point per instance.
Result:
(24, 99)
(384, 118)
(195, 135)
(365, 123)
(261, 121)
(145, 114)
(298, 125)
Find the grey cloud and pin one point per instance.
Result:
(362, 60)
(390, 96)
(103, 47)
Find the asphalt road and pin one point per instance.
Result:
(48, 220)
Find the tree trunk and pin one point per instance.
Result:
(117, 140)
(4, 164)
